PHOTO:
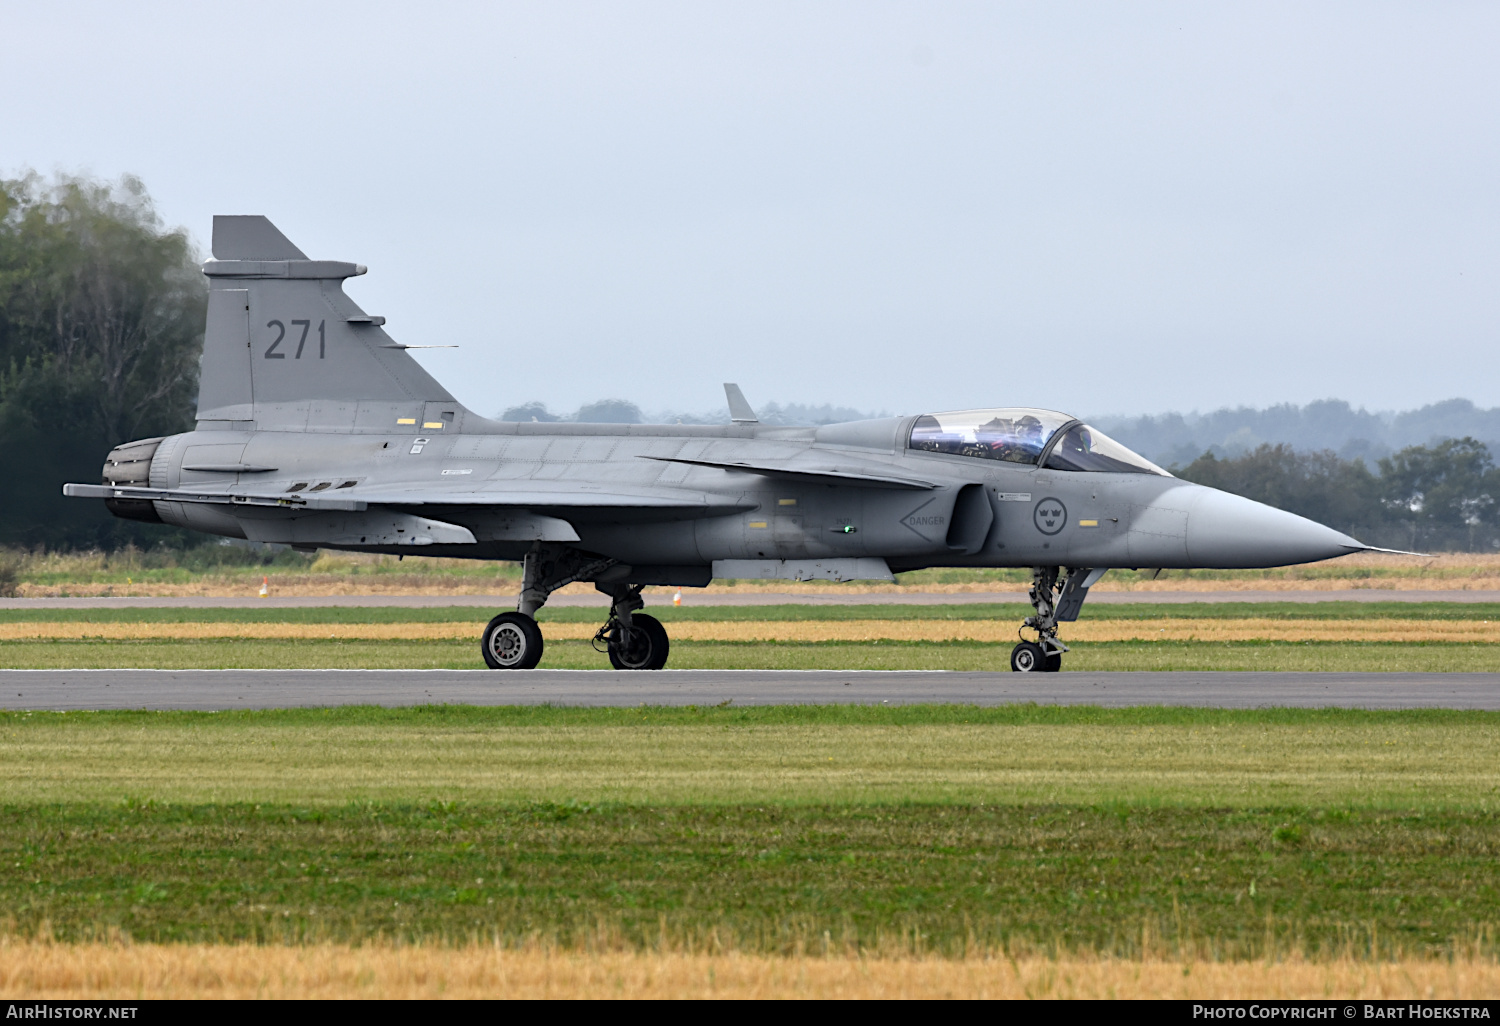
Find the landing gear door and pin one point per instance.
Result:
(1075, 590)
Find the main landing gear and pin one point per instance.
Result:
(1057, 595)
(632, 639)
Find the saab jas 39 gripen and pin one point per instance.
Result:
(316, 429)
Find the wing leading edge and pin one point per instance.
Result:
(605, 500)
(767, 468)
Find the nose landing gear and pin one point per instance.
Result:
(1057, 598)
(1030, 657)
(1044, 655)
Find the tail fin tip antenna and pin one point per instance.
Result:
(251, 237)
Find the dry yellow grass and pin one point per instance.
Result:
(1467, 631)
(323, 587)
(39, 970)
(331, 575)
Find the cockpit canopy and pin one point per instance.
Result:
(1035, 437)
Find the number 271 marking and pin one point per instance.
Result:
(272, 354)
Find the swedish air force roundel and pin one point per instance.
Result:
(1050, 516)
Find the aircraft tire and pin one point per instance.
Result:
(1028, 657)
(511, 641)
(1053, 663)
(648, 646)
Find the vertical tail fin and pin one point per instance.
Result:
(285, 348)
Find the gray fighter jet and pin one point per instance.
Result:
(316, 429)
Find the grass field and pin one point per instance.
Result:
(763, 877)
(932, 830)
(785, 754)
(1334, 636)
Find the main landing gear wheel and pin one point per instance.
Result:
(512, 641)
(641, 646)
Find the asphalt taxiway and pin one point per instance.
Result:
(269, 689)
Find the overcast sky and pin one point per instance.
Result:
(1111, 207)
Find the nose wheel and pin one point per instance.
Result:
(1030, 657)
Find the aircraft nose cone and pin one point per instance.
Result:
(1233, 532)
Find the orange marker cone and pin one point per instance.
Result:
(677, 599)
(265, 587)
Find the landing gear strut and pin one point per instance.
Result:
(1057, 598)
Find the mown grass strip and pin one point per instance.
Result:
(1113, 880)
(652, 756)
(1021, 714)
(1341, 657)
(965, 611)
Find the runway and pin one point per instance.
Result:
(271, 689)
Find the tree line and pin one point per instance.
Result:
(1440, 497)
(101, 327)
(1326, 424)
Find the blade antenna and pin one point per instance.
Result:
(739, 410)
